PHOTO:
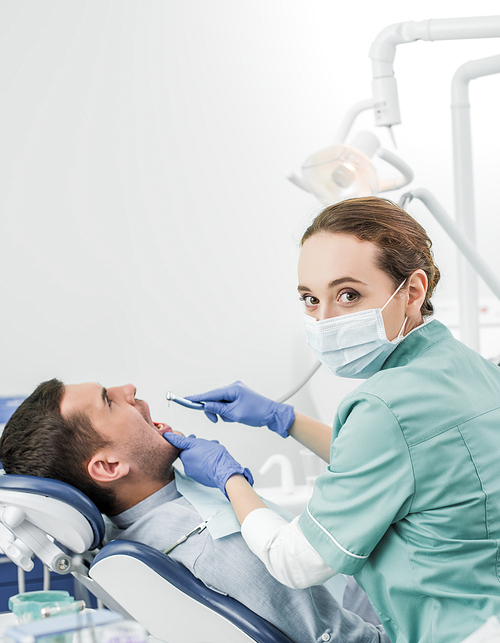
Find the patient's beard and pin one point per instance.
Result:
(156, 463)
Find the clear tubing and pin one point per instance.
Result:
(301, 384)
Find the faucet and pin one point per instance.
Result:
(287, 482)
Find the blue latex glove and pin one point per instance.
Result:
(238, 403)
(207, 461)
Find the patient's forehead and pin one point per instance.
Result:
(86, 398)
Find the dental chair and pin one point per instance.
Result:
(60, 525)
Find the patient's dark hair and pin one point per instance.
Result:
(39, 441)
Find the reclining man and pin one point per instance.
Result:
(105, 443)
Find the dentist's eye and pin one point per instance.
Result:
(309, 301)
(348, 297)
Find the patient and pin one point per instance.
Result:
(105, 443)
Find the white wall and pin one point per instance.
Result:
(147, 232)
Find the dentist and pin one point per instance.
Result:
(410, 500)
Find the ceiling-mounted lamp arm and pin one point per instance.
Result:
(383, 52)
(461, 240)
(350, 117)
(399, 164)
(299, 182)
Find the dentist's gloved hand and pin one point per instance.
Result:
(207, 461)
(238, 403)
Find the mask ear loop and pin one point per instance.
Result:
(401, 330)
(394, 294)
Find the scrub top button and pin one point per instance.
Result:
(325, 637)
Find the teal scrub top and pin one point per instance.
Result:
(410, 503)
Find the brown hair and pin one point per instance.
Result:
(39, 441)
(402, 242)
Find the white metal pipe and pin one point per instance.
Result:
(399, 164)
(21, 581)
(299, 182)
(469, 71)
(458, 237)
(350, 117)
(383, 48)
(383, 52)
(458, 28)
(46, 578)
(468, 293)
(464, 188)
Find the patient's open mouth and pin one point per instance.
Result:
(162, 427)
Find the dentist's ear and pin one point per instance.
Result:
(416, 291)
(103, 468)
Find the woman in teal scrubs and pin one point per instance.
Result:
(410, 500)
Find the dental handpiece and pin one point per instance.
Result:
(197, 406)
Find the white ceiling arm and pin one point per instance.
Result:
(454, 28)
(467, 72)
(350, 117)
(383, 52)
(399, 164)
(299, 182)
(383, 48)
(463, 180)
(458, 237)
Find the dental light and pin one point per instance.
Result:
(344, 171)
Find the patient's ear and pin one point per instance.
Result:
(103, 467)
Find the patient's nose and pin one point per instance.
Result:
(126, 392)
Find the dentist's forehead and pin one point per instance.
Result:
(329, 257)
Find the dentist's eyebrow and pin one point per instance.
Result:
(334, 283)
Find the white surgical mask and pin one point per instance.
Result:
(353, 345)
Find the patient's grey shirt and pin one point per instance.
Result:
(228, 566)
